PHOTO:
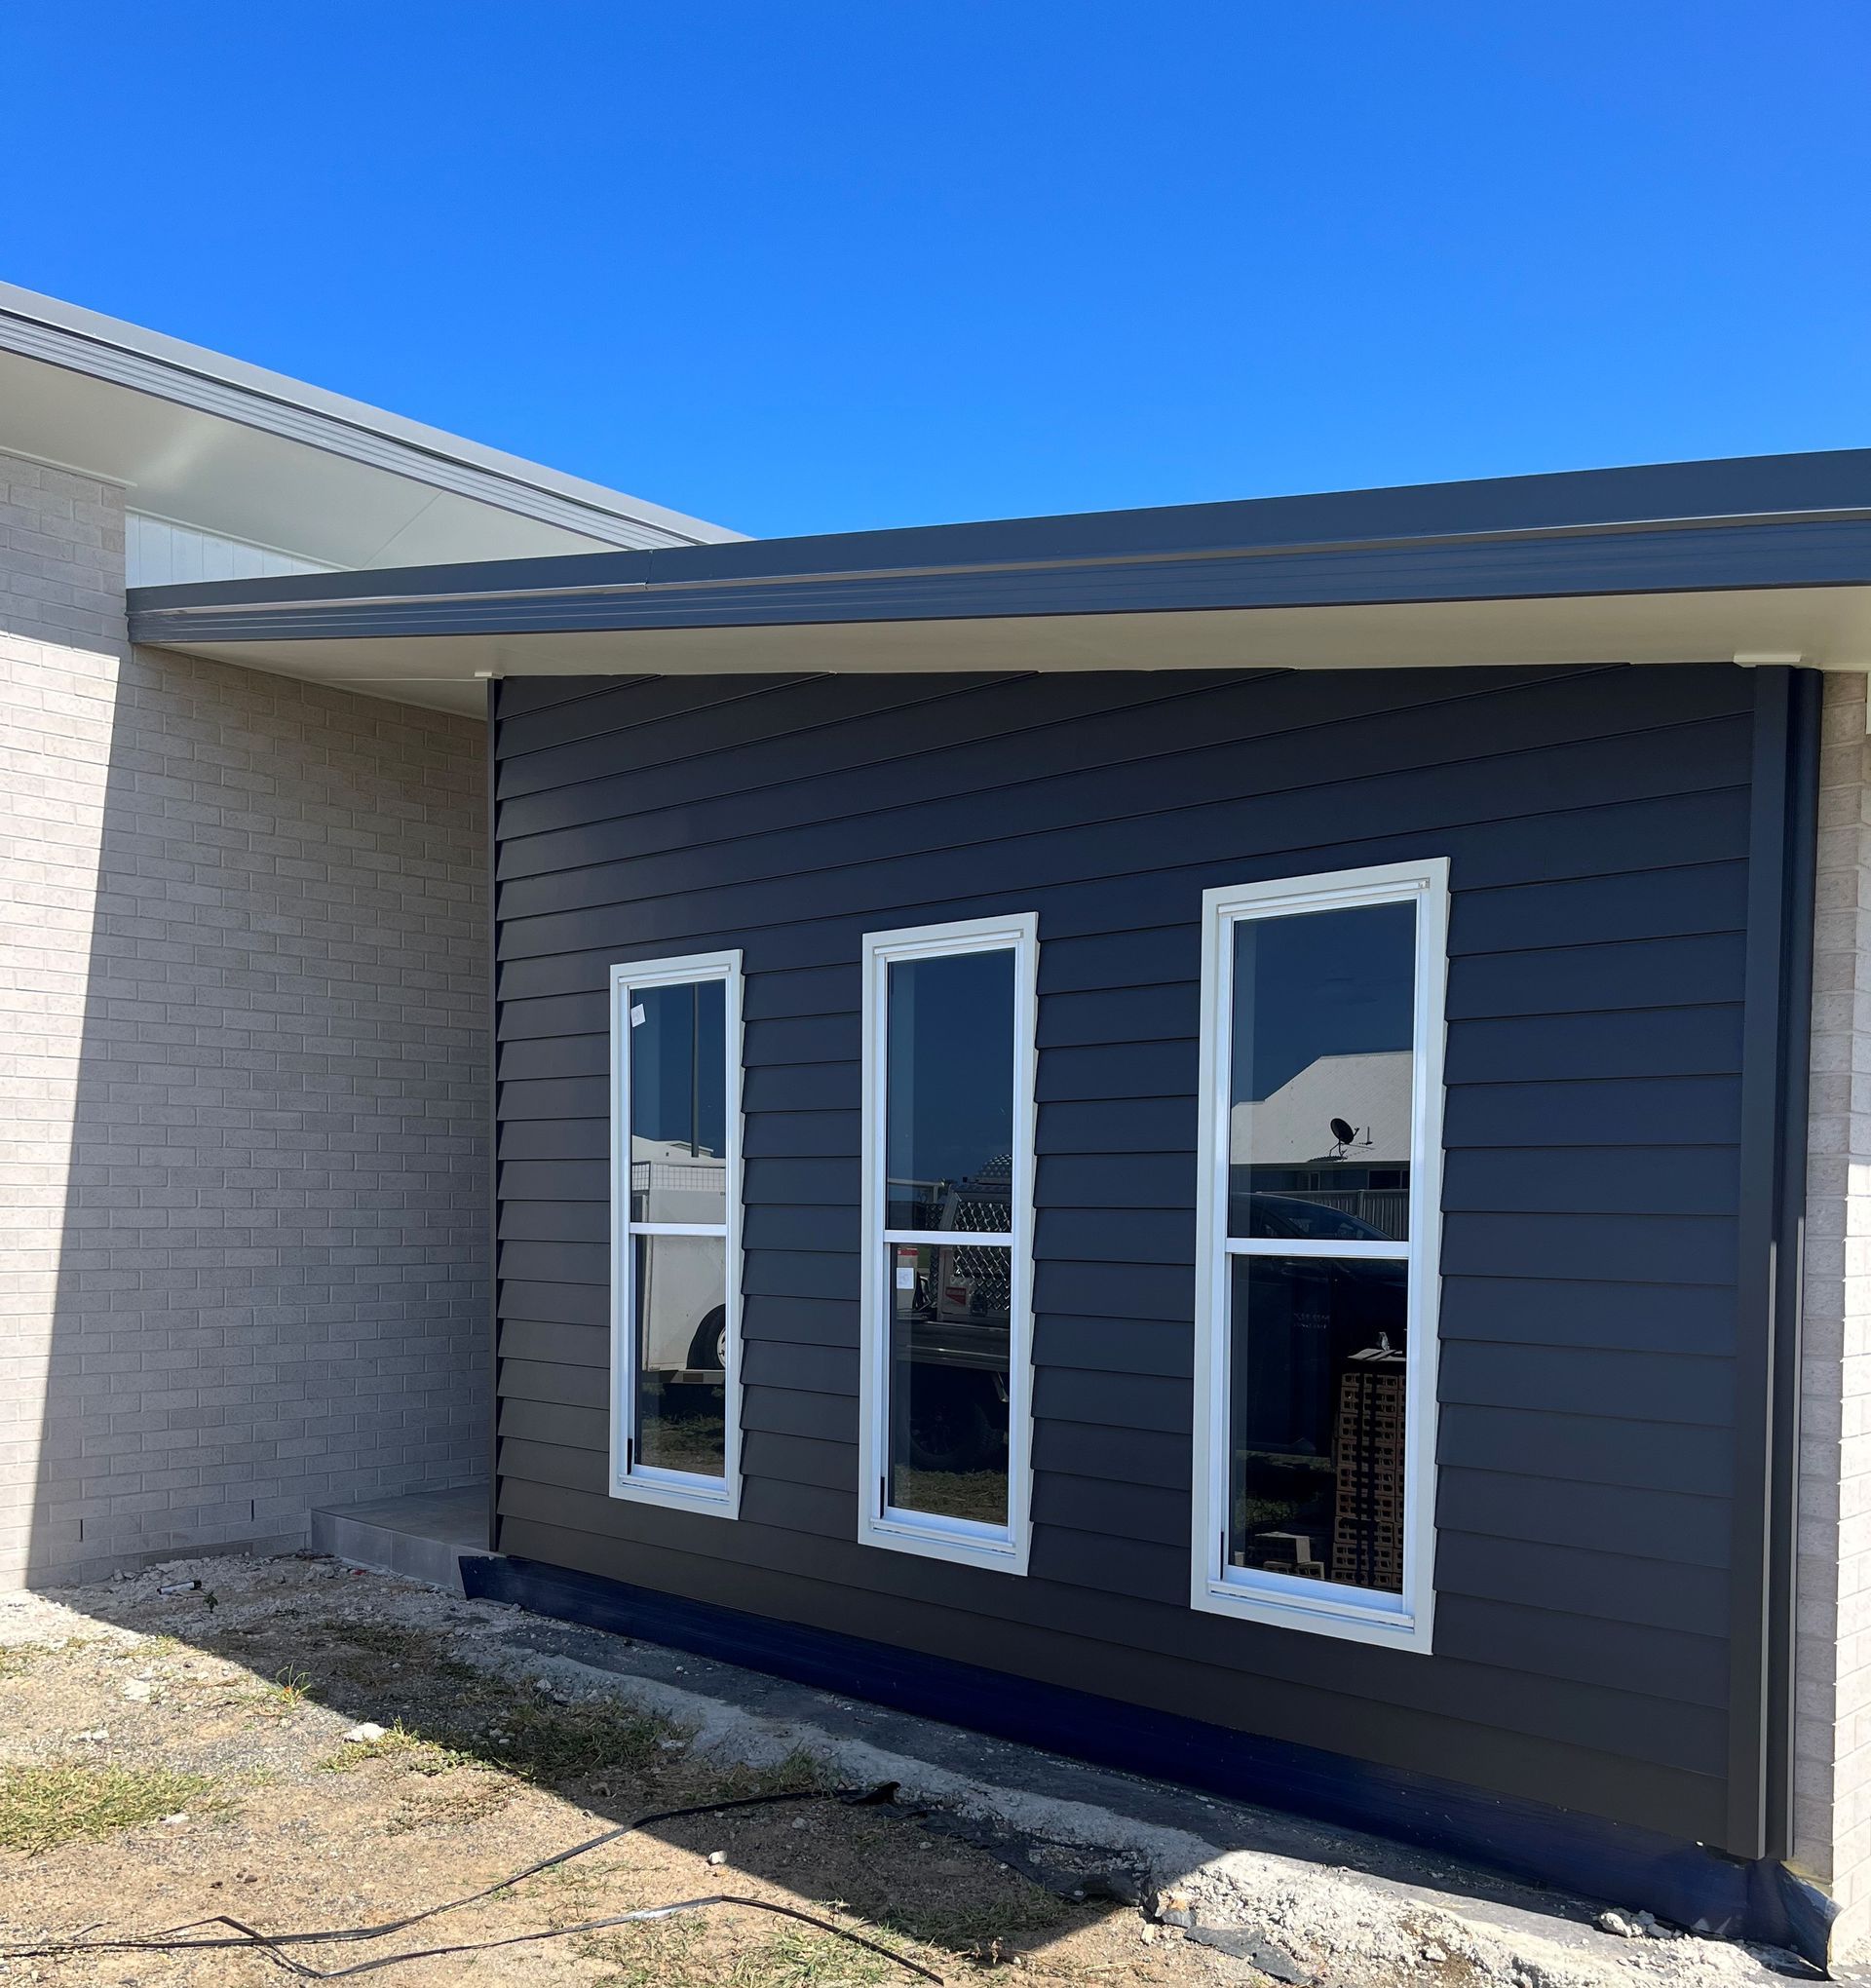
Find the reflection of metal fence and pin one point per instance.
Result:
(982, 1217)
(1386, 1210)
(673, 1179)
(988, 1271)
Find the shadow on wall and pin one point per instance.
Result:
(249, 932)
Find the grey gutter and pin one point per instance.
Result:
(1769, 521)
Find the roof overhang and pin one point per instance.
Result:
(1763, 559)
(208, 441)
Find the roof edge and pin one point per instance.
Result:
(1643, 500)
(112, 350)
(669, 589)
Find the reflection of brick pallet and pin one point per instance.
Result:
(1367, 1453)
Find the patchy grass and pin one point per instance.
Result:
(388, 1639)
(17, 1658)
(800, 1772)
(981, 1931)
(290, 1690)
(653, 1956)
(463, 1715)
(474, 1714)
(65, 1802)
(796, 1957)
(411, 1751)
(455, 1803)
(553, 1743)
(678, 1954)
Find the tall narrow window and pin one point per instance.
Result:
(676, 1227)
(948, 1240)
(1317, 1231)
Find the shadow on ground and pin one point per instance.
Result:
(462, 1742)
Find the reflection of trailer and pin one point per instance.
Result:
(685, 1323)
(682, 1319)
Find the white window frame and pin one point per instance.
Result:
(679, 1490)
(1403, 1622)
(879, 1524)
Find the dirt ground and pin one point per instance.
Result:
(165, 1759)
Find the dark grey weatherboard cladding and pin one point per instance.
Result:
(1597, 822)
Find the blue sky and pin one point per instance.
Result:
(813, 267)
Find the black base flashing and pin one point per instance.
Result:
(1682, 1882)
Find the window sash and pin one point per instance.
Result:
(969, 1542)
(1385, 1251)
(948, 1238)
(630, 1478)
(1366, 1615)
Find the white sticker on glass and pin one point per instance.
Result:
(637, 1016)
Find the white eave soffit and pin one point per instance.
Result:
(231, 449)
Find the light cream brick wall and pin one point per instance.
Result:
(1832, 1760)
(242, 1077)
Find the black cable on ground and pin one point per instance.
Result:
(273, 1944)
(259, 1942)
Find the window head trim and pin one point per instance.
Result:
(967, 1542)
(629, 1478)
(1405, 1621)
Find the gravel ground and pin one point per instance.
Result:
(166, 1758)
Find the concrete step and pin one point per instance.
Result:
(421, 1535)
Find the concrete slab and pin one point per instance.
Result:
(420, 1535)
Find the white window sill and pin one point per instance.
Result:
(1371, 1623)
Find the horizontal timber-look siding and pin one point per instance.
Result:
(1598, 826)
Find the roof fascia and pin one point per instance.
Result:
(688, 589)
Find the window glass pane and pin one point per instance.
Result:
(679, 1102)
(948, 1105)
(1319, 1102)
(948, 1377)
(681, 1323)
(1318, 1355)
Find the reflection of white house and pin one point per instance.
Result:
(1293, 1127)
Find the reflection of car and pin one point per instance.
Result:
(1253, 1213)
